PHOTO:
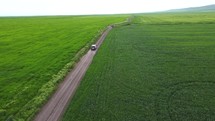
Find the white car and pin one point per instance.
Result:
(93, 47)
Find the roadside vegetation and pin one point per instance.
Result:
(36, 53)
(161, 68)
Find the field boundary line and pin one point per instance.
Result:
(50, 113)
(55, 107)
(48, 89)
(46, 92)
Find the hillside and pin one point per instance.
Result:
(208, 8)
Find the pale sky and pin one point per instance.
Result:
(81, 7)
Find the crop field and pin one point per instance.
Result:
(150, 71)
(33, 55)
(176, 18)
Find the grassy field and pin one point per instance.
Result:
(34, 52)
(176, 18)
(150, 71)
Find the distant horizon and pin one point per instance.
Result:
(9, 8)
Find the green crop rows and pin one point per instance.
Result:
(33, 51)
(151, 71)
(176, 18)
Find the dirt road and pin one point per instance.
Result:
(55, 107)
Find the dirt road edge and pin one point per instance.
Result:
(54, 108)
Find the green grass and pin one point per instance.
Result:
(34, 52)
(176, 18)
(146, 72)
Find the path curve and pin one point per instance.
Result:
(55, 107)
